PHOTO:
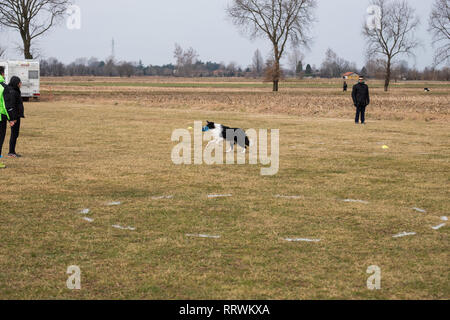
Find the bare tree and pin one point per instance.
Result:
(185, 60)
(32, 18)
(110, 68)
(231, 69)
(401, 70)
(257, 63)
(2, 46)
(126, 69)
(333, 66)
(281, 21)
(376, 68)
(52, 67)
(295, 59)
(439, 26)
(394, 35)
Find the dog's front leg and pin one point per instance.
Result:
(231, 147)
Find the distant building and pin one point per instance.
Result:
(219, 73)
(350, 76)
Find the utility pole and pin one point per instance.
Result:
(113, 49)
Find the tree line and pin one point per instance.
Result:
(111, 68)
(187, 64)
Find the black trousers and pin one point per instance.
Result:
(15, 130)
(3, 124)
(360, 111)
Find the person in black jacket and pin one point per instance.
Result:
(16, 112)
(361, 99)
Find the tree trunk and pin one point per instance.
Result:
(275, 86)
(27, 52)
(388, 75)
(26, 45)
(276, 72)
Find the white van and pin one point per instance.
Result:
(28, 71)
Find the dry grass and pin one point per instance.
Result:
(81, 152)
(317, 98)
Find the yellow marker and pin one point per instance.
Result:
(385, 147)
(190, 128)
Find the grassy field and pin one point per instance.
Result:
(90, 142)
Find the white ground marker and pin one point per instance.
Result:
(420, 210)
(202, 236)
(404, 234)
(162, 197)
(438, 227)
(85, 211)
(444, 218)
(358, 201)
(287, 197)
(301, 240)
(212, 196)
(114, 203)
(88, 219)
(123, 228)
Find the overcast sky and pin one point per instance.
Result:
(149, 29)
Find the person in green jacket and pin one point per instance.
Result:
(4, 116)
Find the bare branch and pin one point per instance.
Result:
(283, 22)
(439, 26)
(185, 60)
(395, 34)
(32, 18)
(257, 63)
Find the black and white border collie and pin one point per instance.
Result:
(224, 133)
